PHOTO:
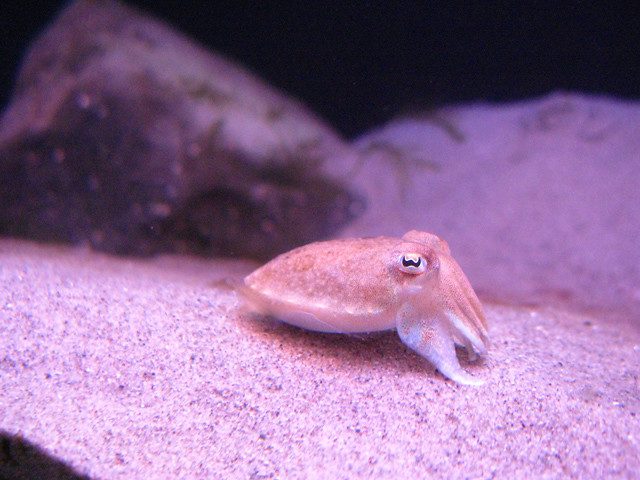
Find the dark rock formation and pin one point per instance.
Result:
(125, 135)
(22, 460)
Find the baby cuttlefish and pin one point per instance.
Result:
(371, 284)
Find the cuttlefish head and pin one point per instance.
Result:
(452, 294)
(444, 311)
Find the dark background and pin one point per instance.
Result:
(358, 64)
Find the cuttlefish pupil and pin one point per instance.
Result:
(316, 287)
(412, 263)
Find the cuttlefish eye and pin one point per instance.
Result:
(413, 263)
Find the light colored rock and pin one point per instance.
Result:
(539, 200)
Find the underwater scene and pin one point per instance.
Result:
(377, 253)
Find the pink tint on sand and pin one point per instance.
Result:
(142, 369)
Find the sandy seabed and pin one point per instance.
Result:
(123, 368)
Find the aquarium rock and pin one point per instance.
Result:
(127, 136)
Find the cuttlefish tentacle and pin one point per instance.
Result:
(470, 303)
(466, 321)
(430, 338)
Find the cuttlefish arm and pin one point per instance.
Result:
(430, 338)
(450, 314)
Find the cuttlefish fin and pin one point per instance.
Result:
(254, 302)
(432, 340)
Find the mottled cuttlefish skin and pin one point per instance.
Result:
(411, 284)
